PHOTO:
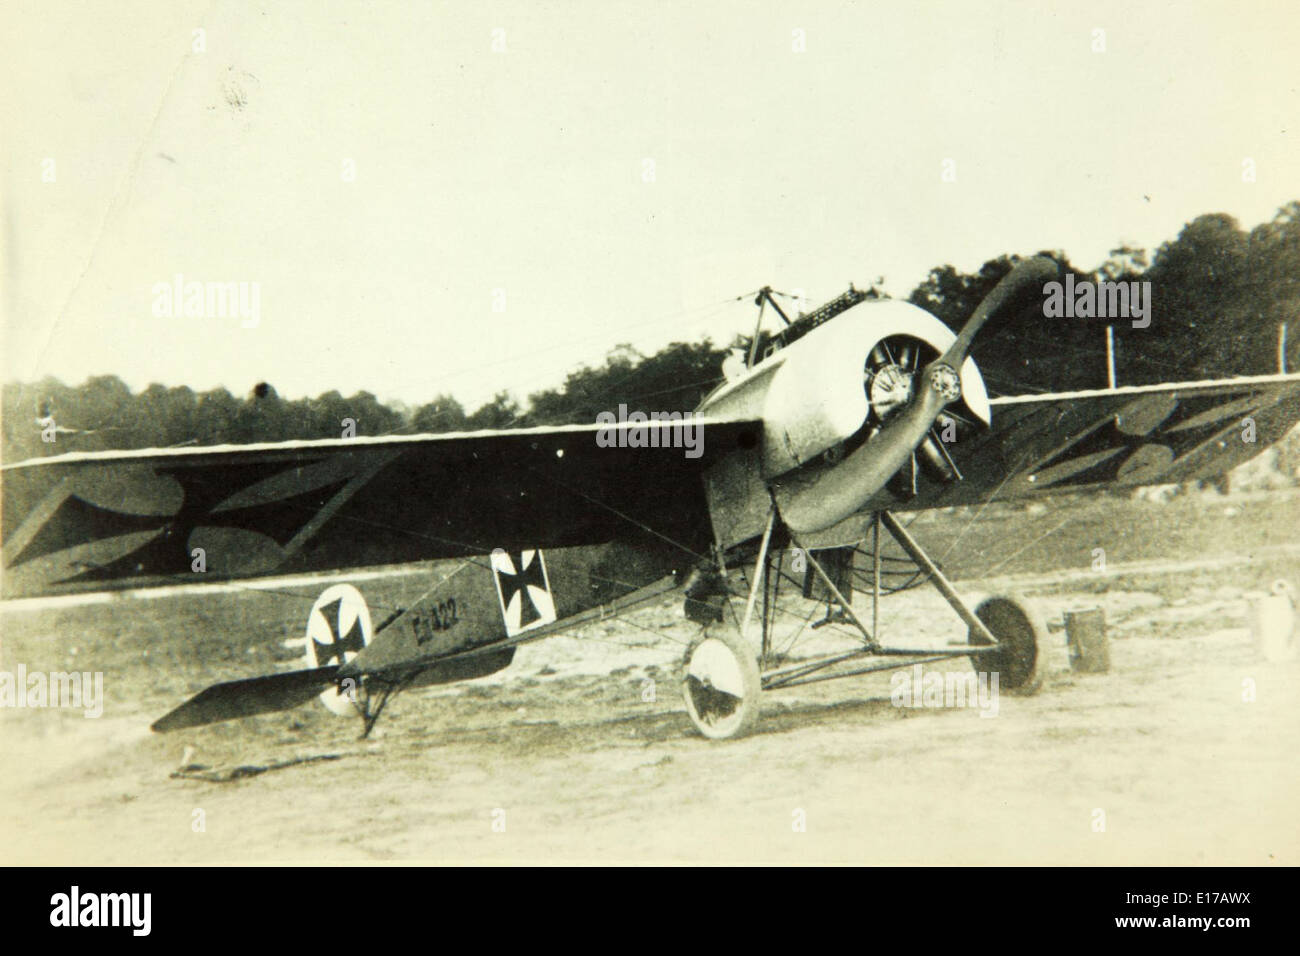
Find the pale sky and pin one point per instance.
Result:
(524, 170)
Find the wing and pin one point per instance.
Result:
(109, 520)
(1141, 435)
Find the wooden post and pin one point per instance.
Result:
(1085, 635)
(1110, 356)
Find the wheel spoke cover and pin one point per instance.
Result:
(721, 686)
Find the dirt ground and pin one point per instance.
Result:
(1185, 753)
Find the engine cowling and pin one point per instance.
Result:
(817, 497)
(821, 397)
(844, 417)
(814, 398)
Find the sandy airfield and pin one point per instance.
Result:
(1184, 769)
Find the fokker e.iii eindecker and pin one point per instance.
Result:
(844, 420)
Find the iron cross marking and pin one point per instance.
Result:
(337, 646)
(519, 582)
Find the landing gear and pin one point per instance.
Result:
(722, 685)
(724, 675)
(1019, 659)
(721, 682)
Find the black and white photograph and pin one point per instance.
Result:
(627, 433)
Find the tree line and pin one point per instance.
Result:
(1218, 294)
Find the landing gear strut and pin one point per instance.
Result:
(723, 675)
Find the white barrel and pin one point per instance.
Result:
(1273, 624)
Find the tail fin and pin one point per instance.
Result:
(244, 698)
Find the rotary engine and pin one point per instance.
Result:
(857, 404)
(841, 383)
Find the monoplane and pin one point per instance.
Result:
(803, 460)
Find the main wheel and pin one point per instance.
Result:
(1020, 659)
(721, 685)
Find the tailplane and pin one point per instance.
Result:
(244, 698)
